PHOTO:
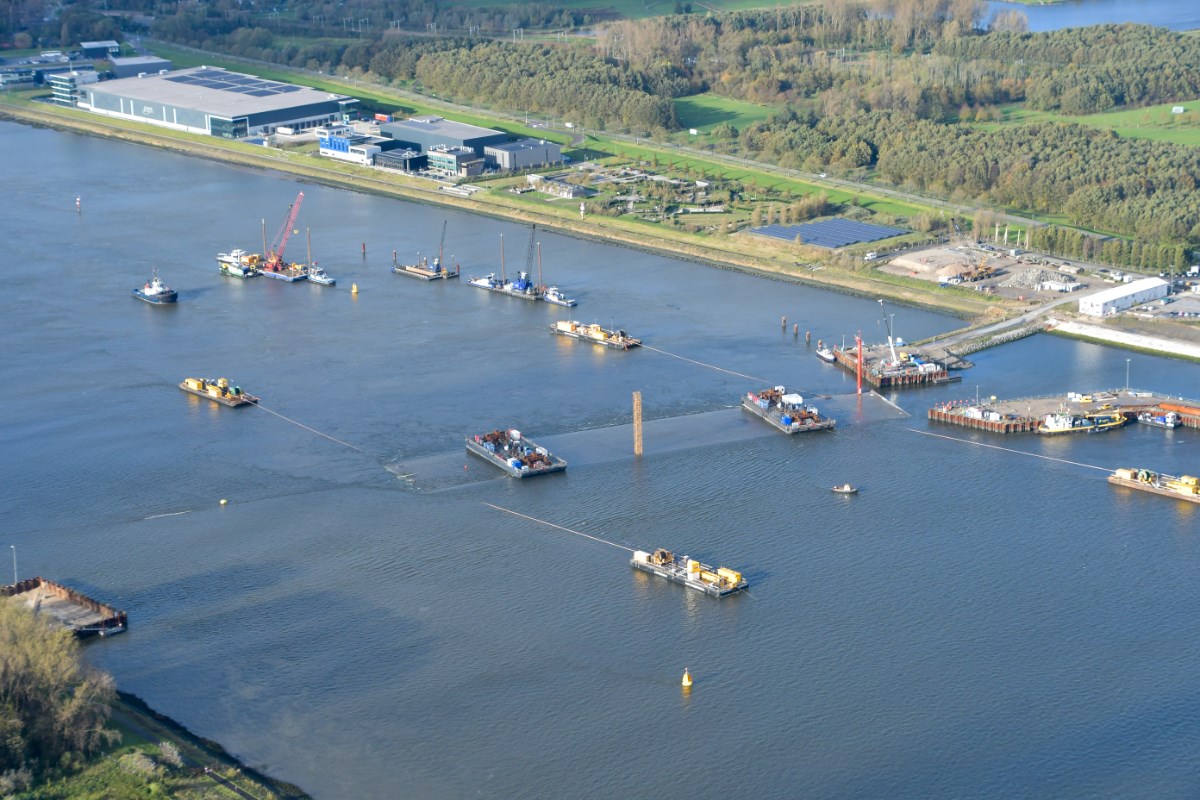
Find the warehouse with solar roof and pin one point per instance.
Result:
(216, 102)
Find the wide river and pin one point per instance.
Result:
(1179, 15)
(977, 622)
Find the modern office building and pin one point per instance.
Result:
(67, 88)
(426, 133)
(523, 154)
(455, 162)
(217, 102)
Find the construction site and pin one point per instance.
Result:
(1069, 412)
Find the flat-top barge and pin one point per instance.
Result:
(688, 572)
(514, 453)
(617, 340)
(425, 271)
(218, 391)
(83, 615)
(786, 411)
(1184, 487)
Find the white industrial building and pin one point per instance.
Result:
(1119, 298)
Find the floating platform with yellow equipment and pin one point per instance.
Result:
(218, 391)
(717, 582)
(617, 340)
(1185, 487)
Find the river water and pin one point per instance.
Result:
(975, 623)
(1180, 16)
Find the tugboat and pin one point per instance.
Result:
(1166, 419)
(786, 411)
(218, 391)
(617, 340)
(156, 292)
(515, 454)
(553, 295)
(688, 572)
(826, 355)
(239, 263)
(1053, 424)
(318, 275)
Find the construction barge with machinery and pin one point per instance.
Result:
(422, 269)
(83, 615)
(718, 582)
(514, 453)
(786, 411)
(218, 391)
(1183, 487)
(1069, 412)
(594, 333)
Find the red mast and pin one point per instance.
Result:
(275, 254)
(858, 338)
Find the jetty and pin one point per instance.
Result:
(83, 615)
(1026, 414)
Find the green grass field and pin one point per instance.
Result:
(706, 111)
(1152, 122)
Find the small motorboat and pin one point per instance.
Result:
(826, 355)
(845, 488)
(155, 291)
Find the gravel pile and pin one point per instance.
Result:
(1030, 278)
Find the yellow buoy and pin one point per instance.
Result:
(354, 288)
(687, 679)
(224, 502)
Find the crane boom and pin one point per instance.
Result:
(275, 255)
(529, 253)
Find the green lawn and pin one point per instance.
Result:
(706, 111)
(1152, 122)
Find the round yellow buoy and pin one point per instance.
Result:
(224, 502)
(687, 679)
(354, 288)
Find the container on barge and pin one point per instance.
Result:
(83, 615)
(1184, 487)
(594, 333)
(786, 411)
(514, 453)
(218, 391)
(718, 582)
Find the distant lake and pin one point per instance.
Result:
(1172, 14)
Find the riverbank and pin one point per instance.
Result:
(737, 252)
(1127, 339)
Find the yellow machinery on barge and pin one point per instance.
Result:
(717, 582)
(218, 391)
(1184, 487)
(617, 340)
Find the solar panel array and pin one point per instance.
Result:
(219, 79)
(830, 232)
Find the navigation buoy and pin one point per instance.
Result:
(224, 502)
(687, 679)
(354, 288)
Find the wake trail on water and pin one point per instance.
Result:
(1010, 450)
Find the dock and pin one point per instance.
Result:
(1025, 414)
(907, 370)
(83, 615)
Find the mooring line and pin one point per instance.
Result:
(171, 514)
(313, 430)
(722, 369)
(1010, 450)
(890, 403)
(559, 527)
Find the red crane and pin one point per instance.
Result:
(275, 254)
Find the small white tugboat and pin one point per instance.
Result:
(156, 292)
